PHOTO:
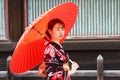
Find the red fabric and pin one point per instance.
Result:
(27, 56)
(29, 51)
(30, 48)
(57, 77)
(41, 69)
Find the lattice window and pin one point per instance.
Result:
(96, 19)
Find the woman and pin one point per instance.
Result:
(56, 59)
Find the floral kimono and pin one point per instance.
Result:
(55, 57)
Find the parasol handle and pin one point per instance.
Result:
(70, 60)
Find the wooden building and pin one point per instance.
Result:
(97, 29)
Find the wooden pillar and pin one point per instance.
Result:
(9, 74)
(16, 19)
(100, 75)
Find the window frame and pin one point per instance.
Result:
(6, 14)
(13, 8)
(6, 21)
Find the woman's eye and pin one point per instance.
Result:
(58, 29)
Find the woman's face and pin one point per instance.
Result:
(57, 33)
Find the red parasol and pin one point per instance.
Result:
(29, 51)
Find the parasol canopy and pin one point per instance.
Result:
(29, 51)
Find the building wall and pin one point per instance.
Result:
(85, 52)
(85, 58)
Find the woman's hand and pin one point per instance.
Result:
(66, 67)
(74, 67)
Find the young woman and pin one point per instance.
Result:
(56, 59)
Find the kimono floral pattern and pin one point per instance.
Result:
(55, 57)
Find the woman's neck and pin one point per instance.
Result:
(56, 41)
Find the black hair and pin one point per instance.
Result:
(51, 25)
